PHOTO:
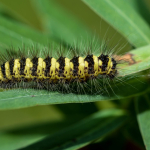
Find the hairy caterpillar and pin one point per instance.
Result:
(63, 73)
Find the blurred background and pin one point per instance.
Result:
(27, 13)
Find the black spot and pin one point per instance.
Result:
(90, 60)
(3, 70)
(22, 65)
(60, 71)
(75, 62)
(114, 63)
(47, 60)
(104, 59)
(75, 71)
(35, 64)
(56, 70)
(34, 79)
(61, 62)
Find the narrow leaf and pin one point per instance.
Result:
(19, 98)
(82, 133)
(61, 25)
(143, 116)
(123, 18)
(18, 35)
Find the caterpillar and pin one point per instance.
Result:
(53, 73)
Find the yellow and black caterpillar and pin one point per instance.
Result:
(54, 71)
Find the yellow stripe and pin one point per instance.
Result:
(1, 75)
(41, 68)
(7, 71)
(71, 69)
(110, 64)
(56, 71)
(95, 58)
(67, 68)
(100, 67)
(81, 68)
(86, 69)
(16, 69)
(53, 69)
(27, 70)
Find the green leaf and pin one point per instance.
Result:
(16, 34)
(19, 98)
(23, 13)
(84, 132)
(143, 116)
(141, 7)
(123, 18)
(141, 56)
(11, 142)
(26, 135)
(61, 25)
(133, 134)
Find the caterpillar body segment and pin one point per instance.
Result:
(53, 70)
